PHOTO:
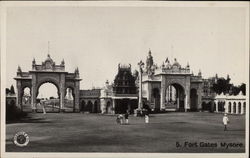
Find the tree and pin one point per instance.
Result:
(12, 91)
(243, 88)
(222, 85)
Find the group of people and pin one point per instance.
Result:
(123, 118)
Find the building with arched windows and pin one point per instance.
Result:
(231, 104)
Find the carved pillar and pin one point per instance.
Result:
(163, 92)
(242, 107)
(226, 106)
(113, 105)
(199, 102)
(19, 94)
(237, 108)
(232, 108)
(187, 99)
(33, 93)
(77, 97)
(149, 97)
(62, 92)
(216, 106)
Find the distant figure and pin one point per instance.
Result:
(146, 117)
(119, 119)
(43, 106)
(225, 121)
(126, 117)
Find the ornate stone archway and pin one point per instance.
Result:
(48, 71)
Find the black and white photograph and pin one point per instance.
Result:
(124, 79)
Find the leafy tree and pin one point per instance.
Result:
(243, 88)
(222, 85)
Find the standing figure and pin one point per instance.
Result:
(146, 117)
(43, 106)
(119, 119)
(126, 117)
(225, 121)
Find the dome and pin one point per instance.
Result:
(48, 59)
(176, 63)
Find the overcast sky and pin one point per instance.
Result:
(96, 39)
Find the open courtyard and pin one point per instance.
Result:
(168, 133)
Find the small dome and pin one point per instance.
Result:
(48, 59)
(176, 63)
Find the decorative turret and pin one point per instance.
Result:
(33, 64)
(77, 72)
(34, 61)
(19, 71)
(149, 62)
(188, 67)
(199, 74)
(62, 63)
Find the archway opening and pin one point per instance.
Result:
(194, 100)
(244, 107)
(48, 98)
(89, 106)
(239, 107)
(229, 107)
(83, 104)
(234, 108)
(175, 97)
(156, 96)
(221, 106)
(69, 99)
(108, 108)
(96, 107)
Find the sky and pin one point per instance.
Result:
(97, 39)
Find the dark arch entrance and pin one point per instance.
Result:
(229, 107)
(48, 71)
(108, 108)
(175, 97)
(193, 100)
(83, 104)
(156, 98)
(89, 106)
(95, 107)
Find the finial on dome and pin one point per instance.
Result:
(199, 74)
(167, 61)
(62, 63)
(149, 52)
(34, 61)
(107, 82)
(19, 68)
(188, 65)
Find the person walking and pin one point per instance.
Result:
(225, 121)
(126, 117)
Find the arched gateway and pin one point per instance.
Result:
(171, 87)
(48, 71)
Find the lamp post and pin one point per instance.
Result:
(141, 65)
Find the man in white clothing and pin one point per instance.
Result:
(225, 121)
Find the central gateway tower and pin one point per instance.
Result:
(170, 87)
